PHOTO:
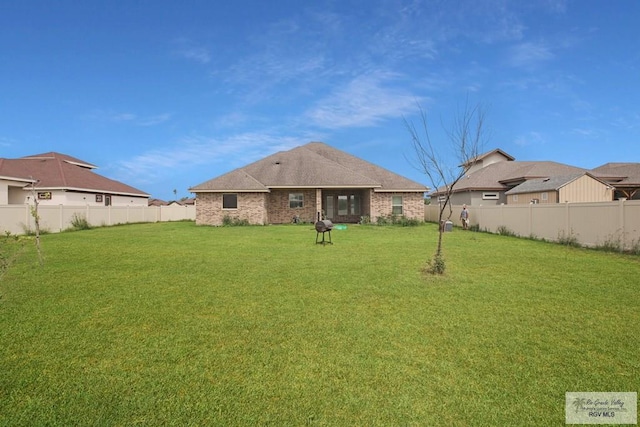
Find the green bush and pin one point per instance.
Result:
(395, 220)
(79, 222)
(228, 221)
(28, 231)
(568, 239)
(10, 247)
(436, 266)
(365, 220)
(505, 231)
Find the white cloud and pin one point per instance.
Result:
(529, 54)
(197, 54)
(193, 151)
(6, 142)
(364, 101)
(531, 138)
(588, 133)
(154, 120)
(130, 118)
(187, 49)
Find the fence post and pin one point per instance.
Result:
(567, 220)
(621, 203)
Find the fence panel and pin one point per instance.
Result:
(591, 224)
(548, 222)
(630, 221)
(17, 219)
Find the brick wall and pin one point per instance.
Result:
(251, 207)
(412, 205)
(281, 213)
(273, 208)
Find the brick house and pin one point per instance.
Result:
(305, 182)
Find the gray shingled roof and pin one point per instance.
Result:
(313, 165)
(619, 174)
(501, 176)
(553, 183)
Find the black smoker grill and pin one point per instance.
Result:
(323, 226)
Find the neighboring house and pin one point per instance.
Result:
(496, 177)
(157, 202)
(59, 179)
(182, 202)
(580, 187)
(306, 182)
(625, 177)
(492, 174)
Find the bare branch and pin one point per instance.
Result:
(466, 138)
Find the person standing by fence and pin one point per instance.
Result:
(464, 217)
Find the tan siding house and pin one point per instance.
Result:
(560, 189)
(307, 182)
(492, 176)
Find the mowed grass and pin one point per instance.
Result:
(174, 324)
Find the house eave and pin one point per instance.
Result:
(21, 180)
(90, 190)
(401, 190)
(227, 190)
(281, 187)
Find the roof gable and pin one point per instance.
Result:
(301, 167)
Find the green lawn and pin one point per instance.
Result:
(174, 324)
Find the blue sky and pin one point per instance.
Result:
(164, 95)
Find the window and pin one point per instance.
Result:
(354, 204)
(544, 196)
(329, 207)
(107, 200)
(490, 196)
(44, 195)
(296, 200)
(343, 205)
(229, 201)
(515, 197)
(396, 205)
(98, 198)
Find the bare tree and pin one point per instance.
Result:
(36, 218)
(465, 137)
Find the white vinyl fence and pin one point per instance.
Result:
(590, 224)
(18, 219)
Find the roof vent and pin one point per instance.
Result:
(277, 162)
